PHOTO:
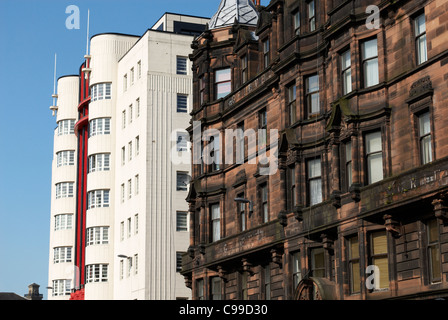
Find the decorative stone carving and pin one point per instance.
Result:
(392, 226)
(276, 257)
(440, 209)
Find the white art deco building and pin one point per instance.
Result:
(119, 219)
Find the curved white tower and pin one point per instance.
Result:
(63, 191)
(106, 50)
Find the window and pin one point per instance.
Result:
(435, 267)
(266, 53)
(181, 221)
(137, 107)
(97, 235)
(130, 150)
(129, 189)
(420, 38)
(240, 145)
(101, 91)
(135, 263)
(244, 69)
(183, 179)
(179, 261)
(122, 193)
(315, 181)
(62, 254)
(66, 127)
(99, 126)
(139, 69)
(215, 288)
(123, 156)
(136, 225)
(99, 162)
(182, 141)
(353, 256)
(181, 66)
(346, 72)
(137, 145)
(296, 18)
(200, 289)
(264, 202)
(123, 119)
(131, 74)
(137, 184)
(296, 269)
(61, 287)
(425, 138)
(291, 187)
(96, 273)
(129, 223)
(267, 282)
(64, 190)
(241, 211)
(348, 164)
(182, 103)
(369, 50)
(202, 90)
(129, 268)
(215, 222)
(121, 269)
(122, 230)
(63, 222)
(311, 16)
(312, 95)
(292, 96)
(374, 157)
(131, 115)
(125, 83)
(98, 199)
(263, 124)
(65, 158)
(318, 262)
(215, 153)
(223, 83)
(379, 257)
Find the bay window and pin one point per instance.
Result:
(98, 199)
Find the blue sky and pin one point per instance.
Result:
(31, 32)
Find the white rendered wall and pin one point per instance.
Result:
(68, 91)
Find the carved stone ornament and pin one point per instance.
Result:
(222, 273)
(247, 266)
(282, 218)
(440, 209)
(327, 243)
(188, 281)
(392, 226)
(276, 257)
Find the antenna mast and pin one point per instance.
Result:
(87, 70)
(54, 107)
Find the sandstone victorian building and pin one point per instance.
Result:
(358, 206)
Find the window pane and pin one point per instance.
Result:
(347, 78)
(422, 50)
(223, 75)
(434, 256)
(373, 142)
(346, 61)
(313, 83)
(355, 277)
(424, 124)
(420, 26)
(375, 167)
(383, 266)
(426, 150)
(379, 243)
(223, 89)
(314, 168)
(315, 191)
(371, 73)
(354, 248)
(369, 49)
(433, 231)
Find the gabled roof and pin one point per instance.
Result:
(243, 11)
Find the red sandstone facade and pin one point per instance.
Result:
(362, 175)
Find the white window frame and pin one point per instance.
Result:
(181, 65)
(66, 127)
(63, 222)
(65, 190)
(99, 126)
(62, 254)
(98, 199)
(181, 221)
(101, 91)
(99, 162)
(61, 287)
(97, 273)
(65, 158)
(97, 236)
